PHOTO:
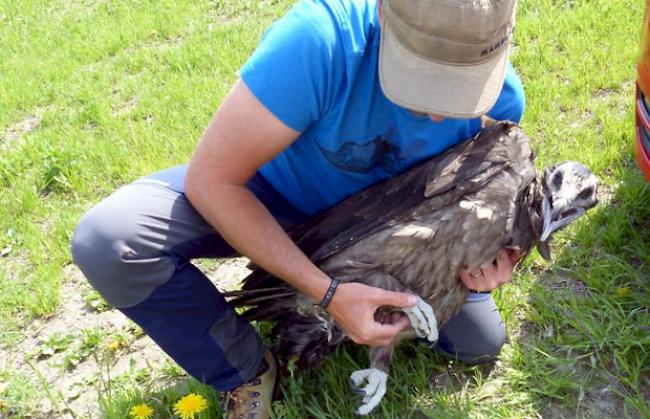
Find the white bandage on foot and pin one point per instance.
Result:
(423, 320)
(372, 382)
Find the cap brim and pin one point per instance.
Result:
(455, 91)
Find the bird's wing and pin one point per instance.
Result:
(465, 226)
(442, 180)
(491, 214)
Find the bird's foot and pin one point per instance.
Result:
(370, 383)
(423, 320)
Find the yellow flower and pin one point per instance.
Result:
(141, 411)
(623, 291)
(189, 405)
(114, 346)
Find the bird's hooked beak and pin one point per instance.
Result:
(556, 215)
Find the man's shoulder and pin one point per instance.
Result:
(343, 10)
(310, 58)
(351, 19)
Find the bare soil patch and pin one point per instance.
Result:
(77, 383)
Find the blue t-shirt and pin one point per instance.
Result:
(316, 70)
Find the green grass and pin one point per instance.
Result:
(94, 94)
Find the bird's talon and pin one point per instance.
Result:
(373, 384)
(423, 320)
(356, 389)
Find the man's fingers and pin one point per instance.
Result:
(504, 267)
(385, 333)
(378, 334)
(400, 321)
(503, 257)
(491, 275)
(467, 279)
(395, 299)
(515, 256)
(397, 315)
(389, 318)
(489, 270)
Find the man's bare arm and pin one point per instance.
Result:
(242, 136)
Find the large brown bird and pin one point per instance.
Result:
(413, 233)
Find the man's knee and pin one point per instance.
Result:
(475, 334)
(95, 252)
(476, 351)
(489, 347)
(107, 248)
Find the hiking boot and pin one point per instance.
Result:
(253, 399)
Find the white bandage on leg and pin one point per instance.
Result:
(423, 320)
(373, 384)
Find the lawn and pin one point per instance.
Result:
(96, 93)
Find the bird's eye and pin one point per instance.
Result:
(557, 179)
(586, 194)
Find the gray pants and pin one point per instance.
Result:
(136, 247)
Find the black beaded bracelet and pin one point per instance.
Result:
(329, 294)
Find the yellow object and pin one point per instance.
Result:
(190, 405)
(141, 411)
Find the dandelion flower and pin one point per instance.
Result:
(141, 411)
(114, 346)
(189, 405)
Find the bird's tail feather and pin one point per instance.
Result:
(307, 340)
(264, 303)
(243, 298)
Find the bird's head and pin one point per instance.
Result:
(569, 190)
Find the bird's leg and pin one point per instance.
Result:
(423, 320)
(371, 382)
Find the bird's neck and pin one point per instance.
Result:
(529, 219)
(535, 215)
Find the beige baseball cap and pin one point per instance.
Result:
(445, 57)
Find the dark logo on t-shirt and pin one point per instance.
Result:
(362, 158)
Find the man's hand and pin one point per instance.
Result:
(490, 276)
(354, 307)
